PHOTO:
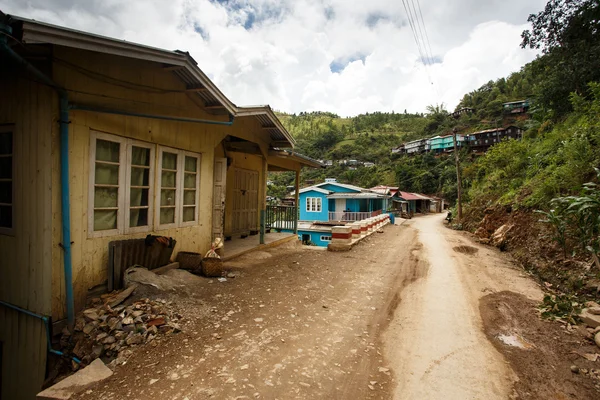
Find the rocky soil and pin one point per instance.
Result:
(414, 312)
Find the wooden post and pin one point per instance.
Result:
(297, 201)
(458, 179)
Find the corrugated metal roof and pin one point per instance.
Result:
(408, 196)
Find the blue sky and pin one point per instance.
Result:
(345, 56)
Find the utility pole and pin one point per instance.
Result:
(458, 178)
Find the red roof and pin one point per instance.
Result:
(408, 196)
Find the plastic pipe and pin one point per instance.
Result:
(46, 321)
(65, 203)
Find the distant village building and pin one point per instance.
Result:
(477, 141)
(481, 141)
(444, 144)
(515, 107)
(416, 146)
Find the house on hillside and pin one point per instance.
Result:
(481, 141)
(399, 150)
(109, 141)
(516, 107)
(445, 144)
(416, 146)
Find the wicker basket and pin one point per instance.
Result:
(189, 260)
(212, 267)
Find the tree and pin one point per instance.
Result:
(568, 33)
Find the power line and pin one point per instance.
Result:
(418, 24)
(411, 22)
(425, 29)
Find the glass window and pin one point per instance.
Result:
(168, 188)
(179, 188)
(107, 164)
(121, 185)
(6, 180)
(313, 204)
(140, 172)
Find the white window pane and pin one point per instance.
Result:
(191, 164)
(105, 220)
(106, 197)
(169, 161)
(167, 197)
(168, 179)
(140, 156)
(140, 176)
(167, 215)
(107, 174)
(189, 198)
(189, 181)
(138, 197)
(189, 214)
(138, 217)
(107, 151)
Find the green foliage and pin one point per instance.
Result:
(559, 225)
(551, 162)
(579, 218)
(568, 32)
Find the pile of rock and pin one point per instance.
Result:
(590, 316)
(110, 332)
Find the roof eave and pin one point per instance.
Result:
(39, 32)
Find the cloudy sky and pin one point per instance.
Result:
(345, 56)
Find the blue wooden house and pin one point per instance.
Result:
(334, 201)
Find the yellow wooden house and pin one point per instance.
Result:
(102, 140)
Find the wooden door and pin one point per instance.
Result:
(219, 190)
(245, 201)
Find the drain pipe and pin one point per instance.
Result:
(46, 321)
(64, 162)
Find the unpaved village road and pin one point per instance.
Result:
(398, 317)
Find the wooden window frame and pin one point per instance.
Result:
(152, 168)
(124, 185)
(179, 189)
(196, 220)
(310, 201)
(4, 230)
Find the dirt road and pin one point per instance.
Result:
(396, 317)
(436, 340)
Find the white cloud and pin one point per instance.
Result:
(280, 52)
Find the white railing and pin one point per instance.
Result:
(352, 216)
